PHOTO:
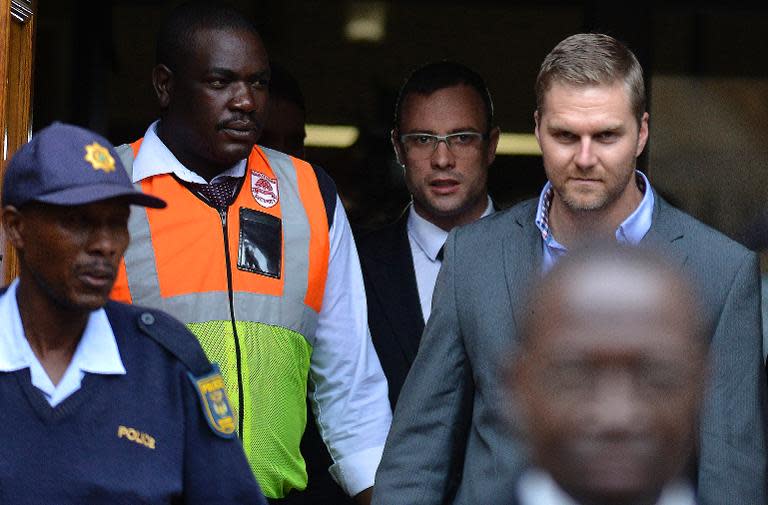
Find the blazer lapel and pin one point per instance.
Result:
(666, 232)
(522, 258)
(395, 285)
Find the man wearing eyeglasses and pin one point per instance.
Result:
(591, 125)
(445, 140)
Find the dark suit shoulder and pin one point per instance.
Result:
(382, 240)
(327, 191)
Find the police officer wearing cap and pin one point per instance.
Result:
(100, 402)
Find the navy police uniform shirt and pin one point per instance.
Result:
(159, 434)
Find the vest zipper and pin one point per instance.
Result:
(230, 292)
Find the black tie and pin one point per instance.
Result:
(440, 253)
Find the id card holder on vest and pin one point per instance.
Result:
(260, 247)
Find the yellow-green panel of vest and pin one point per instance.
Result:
(274, 365)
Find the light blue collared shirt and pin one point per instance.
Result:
(96, 352)
(630, 231)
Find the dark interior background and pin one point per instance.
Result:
(706, 66)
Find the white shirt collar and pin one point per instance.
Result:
(536, 487)
(97, 351)
(13, 344)
(154, 158)
(428, 236)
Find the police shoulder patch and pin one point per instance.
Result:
(216, 407)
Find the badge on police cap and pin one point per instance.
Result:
(216, 408)
(99, 158)
(264, 189)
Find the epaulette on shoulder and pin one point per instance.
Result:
(174, 337)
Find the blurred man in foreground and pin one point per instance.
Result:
(607, 382)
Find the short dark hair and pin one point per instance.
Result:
(176, 35)
(435, 76)
(590, 59)
(284, 86)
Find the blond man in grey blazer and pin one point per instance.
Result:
(449, 443)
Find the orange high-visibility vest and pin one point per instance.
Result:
(249, 283)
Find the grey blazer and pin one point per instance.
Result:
(449, 441)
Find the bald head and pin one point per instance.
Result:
(609, 375)
(614, 283)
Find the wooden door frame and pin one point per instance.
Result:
(17, 35)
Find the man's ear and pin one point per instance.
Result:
(162, 81)
(396, 146)
(536, 126)
(642, 134)
(493, 142)
(13, 225)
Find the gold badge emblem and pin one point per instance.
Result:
(216, 408)
(99, 158)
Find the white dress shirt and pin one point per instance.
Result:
(96, 352)
(536, 487)
(426, 240)
(350, 391)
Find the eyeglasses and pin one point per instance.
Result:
(420, 146)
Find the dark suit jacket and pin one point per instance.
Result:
(449, 417)
(394, 310)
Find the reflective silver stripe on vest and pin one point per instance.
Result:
(140, 261)
(272, 310)
(288, 311)
(125, 153)
(296, 229)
